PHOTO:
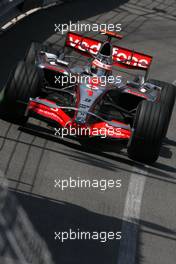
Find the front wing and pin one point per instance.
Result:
(65, 125)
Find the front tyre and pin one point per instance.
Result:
(148, 131)
(167, 97)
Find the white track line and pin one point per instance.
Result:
(131, 215)
(14, 20)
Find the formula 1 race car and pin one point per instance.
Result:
(137, 111)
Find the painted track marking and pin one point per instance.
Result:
(131, 215)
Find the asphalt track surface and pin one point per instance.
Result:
(144, 208)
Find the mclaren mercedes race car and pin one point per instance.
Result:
(136, 111)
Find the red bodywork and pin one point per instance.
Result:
(122, 57)
(64, 121)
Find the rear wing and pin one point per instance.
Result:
(122, 57)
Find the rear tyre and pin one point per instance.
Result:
(168, 94)
(24, 82)
(148, 129)
(31, 53)
(35, 47)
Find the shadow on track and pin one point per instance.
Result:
(49, 216)
(103, 153)
(32, 220)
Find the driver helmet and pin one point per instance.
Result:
(100, 68)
